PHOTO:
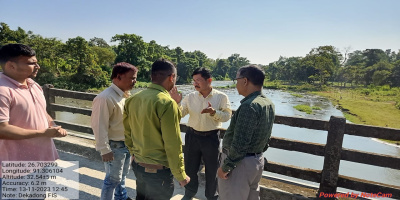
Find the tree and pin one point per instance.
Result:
(395, 75)
(235, 62)
(221, 69)
(326, 60)
(185, 68)
(373, 56)
(104, 56)
(381, 73)
(88, 73)
(9, 36)
(98, 42)
(132, 49)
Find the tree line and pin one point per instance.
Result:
(326, 63)
(78, 64)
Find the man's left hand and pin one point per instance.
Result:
(209, 109)
(222, 174)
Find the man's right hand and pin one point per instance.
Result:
(108, 157)
(185, 181)
(174, 93)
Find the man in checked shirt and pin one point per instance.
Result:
(246, 138)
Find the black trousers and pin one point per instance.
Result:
(196, 147)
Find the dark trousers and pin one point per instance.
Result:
(196, 147)
(153, 186)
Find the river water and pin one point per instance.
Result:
(284, 103)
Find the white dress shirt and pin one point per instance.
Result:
(106, 119)
(194, 103)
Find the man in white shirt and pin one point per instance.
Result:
(207, 109)
(108, 129)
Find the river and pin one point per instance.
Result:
(284, 103)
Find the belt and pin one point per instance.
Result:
(150, 166)
(205, 133)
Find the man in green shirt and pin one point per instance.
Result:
(153, 137)
(246, 138)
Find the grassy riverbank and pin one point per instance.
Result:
(374, 106)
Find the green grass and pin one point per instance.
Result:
(303, 108)
(369, 106)
(316, 108)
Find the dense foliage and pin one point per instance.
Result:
(78, 64)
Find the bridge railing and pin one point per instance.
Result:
(333, 152)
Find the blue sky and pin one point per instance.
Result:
(261, 30)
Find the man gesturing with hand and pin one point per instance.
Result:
(207, 109)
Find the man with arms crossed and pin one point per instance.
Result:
(246, 138)
(152, 134)
(207, 109)
(26, 130)
(108, 130)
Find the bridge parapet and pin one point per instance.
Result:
(333, 152)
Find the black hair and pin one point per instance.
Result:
(122, 68)
(253, 73)
(162, 68)
(11, 51)
(204, 72)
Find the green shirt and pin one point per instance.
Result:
(152, 132)
(250, 129)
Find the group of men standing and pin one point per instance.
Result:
(143, 130)
(146, 128)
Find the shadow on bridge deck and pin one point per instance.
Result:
(91, 175)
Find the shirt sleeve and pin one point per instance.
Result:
(246, 124)
(184, 107)
(5, 102)
(171, 135)
(101, 111)
(127, 128)
(224, 113)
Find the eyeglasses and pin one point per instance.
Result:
(197, 81)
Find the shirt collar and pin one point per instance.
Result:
(118, 90)
(29, 81)
(256, 93)
(209, 95)
(158, 87)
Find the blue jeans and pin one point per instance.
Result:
(153, 186)
(116, 171)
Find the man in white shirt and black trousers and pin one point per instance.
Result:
(207, 109)
(108, 129)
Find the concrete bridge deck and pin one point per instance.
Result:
(92, 175)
